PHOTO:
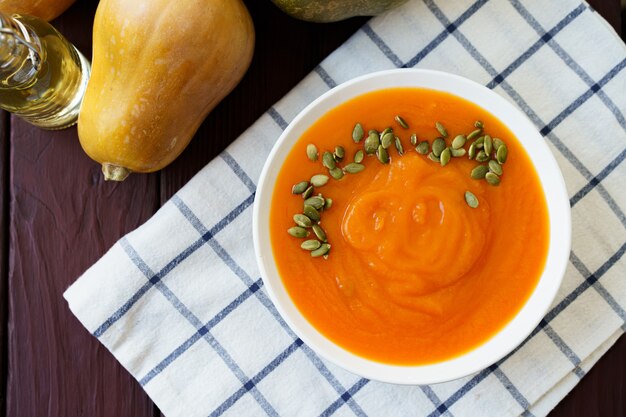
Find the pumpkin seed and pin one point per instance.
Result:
(310, 244)
(480, 142)
(488, 145)
(497, 143)
(433, 157)
(474, 134)
(300, 187)
(336, 173)
(413, 139)
(340, 152)
(401, 121)
(372, 131)
(319, 232)
(328, 160)
(459, 142)
(471, 199)
(302, 220)
(319, 180)
(482, 156)
(357, 133)
(311, 152)
(358, 156)
(479, 124)
(438, 146)
(442, 130)
(492, 178)
(321, 251)
(311, 213)
(388, 129)
(458, 152)
(353, 168)
(423, 148)
(316, 201)
(502, 154)
(399, 147)
(479, 172)
(298, 232)
(495, 167)
(445, 156)
(386, 140)
(382, 154)
(371, 143)
(328, 203)
(308, 192)
(472, 151)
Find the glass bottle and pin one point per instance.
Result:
(43, 77)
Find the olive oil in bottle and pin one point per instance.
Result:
(43, 77)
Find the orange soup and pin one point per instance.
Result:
(414, 275)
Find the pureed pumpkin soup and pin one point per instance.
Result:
(396, 245)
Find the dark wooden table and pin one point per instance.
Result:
(59, 216)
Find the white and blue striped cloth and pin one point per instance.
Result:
(180, 302)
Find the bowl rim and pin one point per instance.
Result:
(532, 312)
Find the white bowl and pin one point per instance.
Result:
(535, 307)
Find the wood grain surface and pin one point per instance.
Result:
(59, 216)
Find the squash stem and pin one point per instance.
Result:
(114, 172)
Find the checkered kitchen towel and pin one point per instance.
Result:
(180, 302)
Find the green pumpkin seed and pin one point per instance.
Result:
(479, 172)
(502, 153)
(311, 213)
(482, 156)
(310, 244)
(471, 199)
(479, 124)
(357, 133)
(458, 152)
(340, 152)
(353, 168)
(423, 148)
(311, 152)
(442, 130)
(445, 156)
(319, 180)
(316, 201)
(495, 167)
(302, 220)
(413, 139)
(492, 178)
(385, 131)
(328, 160)
(399, 147)
(298, 232)
(472, 151)
(438, 146)
(382, 154)
(300, 187)
(319, 232)
(474, 134)
(459, 142)
(372, 131)
(497, 143)
(371, 143)
(336, 173)
(488, 145)
(480, 142)
(358, 156)
(401, 122)
(321, 251)
(433, 157)
(308, 192)
(386, 140)
(328, 203)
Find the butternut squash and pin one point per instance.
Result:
(323, 11)
(159, 67)
(43, 9)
